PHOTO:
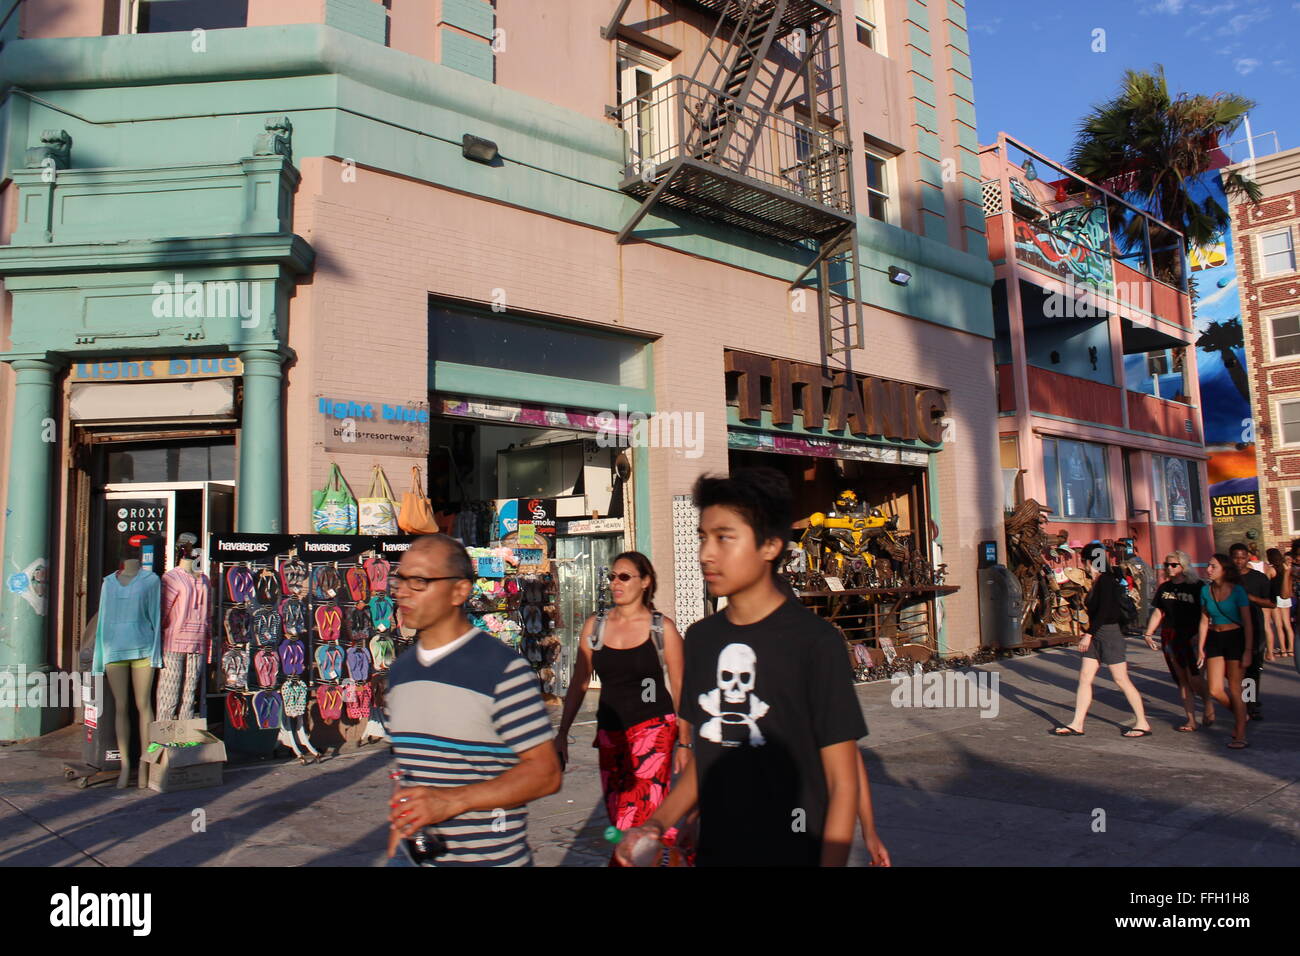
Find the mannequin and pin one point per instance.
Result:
(187, 632)
(128, 648)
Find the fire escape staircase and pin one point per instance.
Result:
(721, 144)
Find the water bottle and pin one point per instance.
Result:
(427, 844)
(648, 851)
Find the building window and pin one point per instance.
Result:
(1277, 253)
(1288, 416)
(182, 16)
(1158, 363)
(1076, 479)
(1293, 502)
(878, 186)
(1286, 335)
(1176, 488)
(869, 25)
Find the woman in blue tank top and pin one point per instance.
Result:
(1225, 640)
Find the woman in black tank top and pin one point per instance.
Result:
(629, 646)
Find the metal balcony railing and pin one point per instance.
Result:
(683, 119)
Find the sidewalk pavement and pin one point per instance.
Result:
(951, 788)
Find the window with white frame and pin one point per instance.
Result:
(869, 25)
(1288, 419)
(1176, 488)
(879, 169)
(1276, 253)
(648, 122)
(1284, 331)
(1293, 506)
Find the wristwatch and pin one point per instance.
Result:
(687, 746)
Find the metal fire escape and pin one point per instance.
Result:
(728, 144)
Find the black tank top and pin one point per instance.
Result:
(622, 688)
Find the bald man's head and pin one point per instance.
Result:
(448, 552)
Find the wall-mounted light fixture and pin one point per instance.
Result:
(1031, 173)
(899, 276)
(478, 149)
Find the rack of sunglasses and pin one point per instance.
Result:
(308, 627)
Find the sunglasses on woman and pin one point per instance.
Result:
(621, 576)
(1172, 564)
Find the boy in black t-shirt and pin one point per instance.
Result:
(768, 697)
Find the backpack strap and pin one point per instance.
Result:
(597, 639)
(657, 635)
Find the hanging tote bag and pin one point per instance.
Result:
(379, 508)
(417, 515)
(333, 509)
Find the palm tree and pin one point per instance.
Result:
(1151, 148)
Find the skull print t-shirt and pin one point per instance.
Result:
(763, 699)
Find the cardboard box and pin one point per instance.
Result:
(184, 768)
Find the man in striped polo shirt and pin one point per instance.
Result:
(467, 721)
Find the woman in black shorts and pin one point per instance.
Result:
(1225, 640)
(1177, 619)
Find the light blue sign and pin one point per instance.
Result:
(18, 583)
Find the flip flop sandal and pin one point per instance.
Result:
(294, 695)
(1235, 744)
(1069, 732)
(359, 705)
(329, 662)
(292, 657)
(239, 584)
(1133, 733)
(358, 584)
(329, 700)
(293, 577)
(329, 621)
(358, 662)
(1186, 729)
(266, 664)
(234, 668)
(268, 709)
(267, 588)
(382, 653)
(293, 617)
(238, 623)
(266, 627)
(237, 711)
(381, 612)
(377, 570)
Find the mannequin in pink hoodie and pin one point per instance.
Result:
(187, 632)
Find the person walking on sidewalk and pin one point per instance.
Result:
(1279, 617)
(1177, 619)
(1104, 644)
(636, 721)
(470, 732)
(1260, 591)
(767, 700)
(1226, 640)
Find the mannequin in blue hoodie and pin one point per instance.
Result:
(128, 649)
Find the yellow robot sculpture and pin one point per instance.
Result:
(832, 540)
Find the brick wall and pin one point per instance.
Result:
(1264, 298)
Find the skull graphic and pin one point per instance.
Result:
(736, 672)
(732, 705)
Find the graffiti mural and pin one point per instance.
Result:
(1070, 244)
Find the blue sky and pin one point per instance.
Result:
(1036, 73)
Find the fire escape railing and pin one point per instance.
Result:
(680, 119)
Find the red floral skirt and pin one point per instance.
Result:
(636, 767)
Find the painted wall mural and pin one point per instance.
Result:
(1070, 244)
(1225, 391)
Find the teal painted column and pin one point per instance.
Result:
(24, 614)
(261, 458)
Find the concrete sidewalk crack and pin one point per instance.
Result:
(86, 853)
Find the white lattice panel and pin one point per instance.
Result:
(687, 580)
(992, 192)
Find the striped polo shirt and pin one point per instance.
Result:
(463, 719)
